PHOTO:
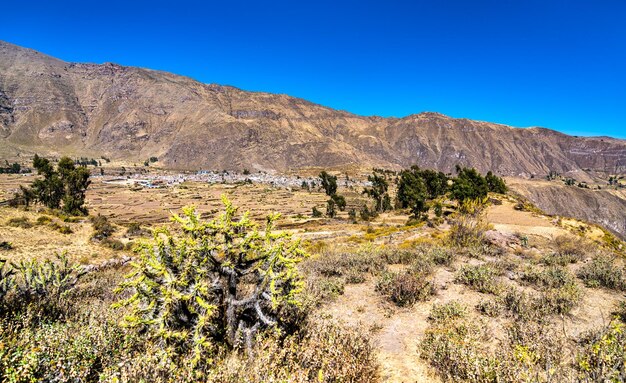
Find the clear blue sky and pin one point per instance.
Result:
(552, 63)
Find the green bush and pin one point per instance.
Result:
(21, 222)
(603, 272)
(468, 228)
(114, 244)
(65, 229)
(43, 220)
(489, 307)
(102, 228)
(602, 358)
(620, 311)
(447, 311)
(559, 300)
(481, 278)
(551, 277)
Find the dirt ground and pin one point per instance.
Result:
(395, 332)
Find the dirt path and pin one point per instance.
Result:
(396, 333)
(505, 218)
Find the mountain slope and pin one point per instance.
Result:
(134, 113)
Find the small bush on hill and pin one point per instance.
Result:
(21, 222)
(405, 288)
(447, 311)
(603, 272)
(481, 278)
(601, 357)
(102, 228)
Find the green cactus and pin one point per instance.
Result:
(220, 283)
(6, 280)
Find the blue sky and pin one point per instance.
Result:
(552, 63)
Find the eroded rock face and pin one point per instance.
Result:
(606, 207)
(134, 113)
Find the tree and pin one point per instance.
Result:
(330, 208)
(66, 184)
(436, 182)
(412, 192)
(76, 181)
(218, 285)
(49, 190)
(378, 192)
(495, 183)
(340, 201)
(329, 183)
(469, 184)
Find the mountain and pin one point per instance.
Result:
(51, 106)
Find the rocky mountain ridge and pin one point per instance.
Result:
(48, 105)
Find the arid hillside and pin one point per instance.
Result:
(54, 107)
(605, 207)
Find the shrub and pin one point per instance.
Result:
(5, 245)
(22, 222)
(602, 356)
(218, 285)
(341, 264)
(558, 300)
(469, 227)
(557, 259)
(481, 278)
(6, 281)
(490, 308)
(325, 289)
(405, 288)
(455, 348)
(72, 351)
(316, 213)
(603, 271)
(320, 351)
(447, 311)
(620, 311)
(134, 229)
(552, 277)
(42, 285)
(43, 220)
(113, 244)
(102, 228)
(65, 229)
(572, 249)
(442, 255)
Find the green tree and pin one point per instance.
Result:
(329, 183)
(340, 201)
(330, 208)
(495, 183)
(49, 190)
(218, 285)
(378, 192)
(412, 192)
(66, 184)
(469, 184)
(436, 182)
(76, 181)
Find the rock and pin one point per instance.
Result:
(502, 240)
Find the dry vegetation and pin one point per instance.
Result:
(383, 301)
